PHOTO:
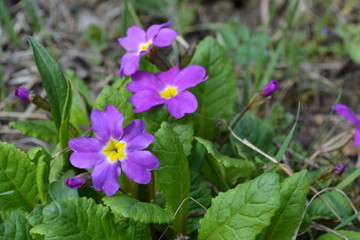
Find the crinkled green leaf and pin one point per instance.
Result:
(293, 194)
(55, 84)
(42, 129)
(217, 95)
(242, 212)
(134, 230)
(223, 170)
(129, 207)
(173, 175)
(200, 191)
(78, 218)
(319, 210)
(16, 227)
(18, 179)
(42, 160)
(119, 97)
(227, 161)
(349, 234)
(183, 127)
(257, 132)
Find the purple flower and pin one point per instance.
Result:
(271, 87)
(138, 43)
(75, 182)
(166, 88)
(23, 94)
(114, 149)
(344, 111)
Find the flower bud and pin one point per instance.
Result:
(78, 181)
(339, 169)
(23, 94)
(271, 87)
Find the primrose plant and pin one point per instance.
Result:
(149, 158)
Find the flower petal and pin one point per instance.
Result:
(136, 34)
(114, 121)
(143, 80)
(129, 64)
(144, 100)
(357, 137)
(85, 144)
(345, 111)
(135, 136)
(129, 44)
(154, 30)
(100, 125)
(136, 172)
(144, 159)
(168, 77)
(190, 77)
(165, 37)
(105, 177)
(182, 103)
(86, 159)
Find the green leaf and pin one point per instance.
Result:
(293, 194)
(349, 234)
(183, 127)
(318, 209)
(42, 160)
(18, 179)
(134, 230)
(59, 191)
(129, 207)
(245, 165)
(16, 227)
(42, 129)
(77, 218)
(117, 97)
(255, 131)
(173, 175)
(351, 35)
(55, 84)
(242, 212)
(200, 191)
(217, 95)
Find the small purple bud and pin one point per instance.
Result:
(23, 94)
(339, 169)
(75, 182)
(271, 87)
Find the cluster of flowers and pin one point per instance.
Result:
(116, 148)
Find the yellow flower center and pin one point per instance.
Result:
(115, 150)
(169, 92)
(145, 46)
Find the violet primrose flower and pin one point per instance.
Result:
(345, 111)
(271, 87)
(166, 88)
(23, 94)
(138, 43)
(115, 149)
